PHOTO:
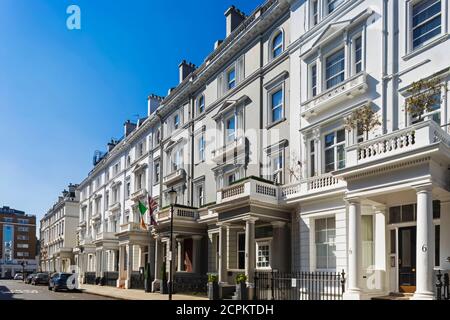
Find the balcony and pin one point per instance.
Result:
(114, 207)
(311, 187)
(105, 236)
(131, 226)
(397, 144)
(229, 151)
(252, 187)
(138, 195)
(174, 177)
(180, 214)
(86, 241)
(348, 89)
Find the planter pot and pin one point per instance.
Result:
(147, 285)
(241, 291)
(163, 287)
(213, 291)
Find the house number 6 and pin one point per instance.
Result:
(424, 248)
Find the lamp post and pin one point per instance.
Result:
(173, 202)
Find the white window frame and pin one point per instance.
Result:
(324, 71)
(199, 105)
(327, 5)
(157, 171)
(230, 81)
(277, 172)
(314, 16)
(176, 121)
(335, 147)
(313, 235)
(353, 48)
(282, 105)
(240, 233)
(200, 196)
(272, 46)
(201, 143)
(429, 115)
(311, 78)
(227, 134)
(261, 243)
(312, 153)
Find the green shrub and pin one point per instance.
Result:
(240, 278)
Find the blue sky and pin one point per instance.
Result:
(64, 94)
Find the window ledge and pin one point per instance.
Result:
(427, 46)
(274, 124)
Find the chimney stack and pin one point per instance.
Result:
(154, 102)
(186, 69)
(234, 17)
(111, 145)
(217, 44)
(129, 127)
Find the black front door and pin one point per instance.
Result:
(407, 259)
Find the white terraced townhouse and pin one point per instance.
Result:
(58, 233)
(310, 148)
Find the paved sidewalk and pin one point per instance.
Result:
(132, 294)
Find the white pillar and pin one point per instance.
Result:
(250, 254)
(129, 266)
(354, 250)
(158, 263)
(445, 235)
(222, 254)
(180, 263)
(196, 253)
(380, 249)
(425, 244)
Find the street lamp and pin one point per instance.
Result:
(173, 202)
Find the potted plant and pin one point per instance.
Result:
(164, 289)
(423, 97)
(213, 286)
(363, 120)
(147, 280)
(241, 287)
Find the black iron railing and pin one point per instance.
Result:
(137, 281)
(442, 286)
(89, 277)
(190, 283)
(299, 285)
(110, 278)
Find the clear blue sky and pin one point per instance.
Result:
(64, 94)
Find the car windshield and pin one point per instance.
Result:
(64, 275)
(42, 275)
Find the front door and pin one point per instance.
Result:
(407, 259)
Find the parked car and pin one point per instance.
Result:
(18, 276)
(40, 278)
(29, 278)
(59, 281)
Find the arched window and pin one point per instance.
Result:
(277, 45)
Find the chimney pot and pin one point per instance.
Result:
(234, 17)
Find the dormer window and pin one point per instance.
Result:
(231, 78)
(277, 45)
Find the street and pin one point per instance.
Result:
(18, 290)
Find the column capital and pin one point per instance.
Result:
(250, 219)
(353, 200)
(222, 224)
(379, 208)
(278, 224)
(426, 187)
(197, 237)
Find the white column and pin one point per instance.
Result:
(196, 253)
(222, 254)
(354, 250)
(380, 248)
(158, 263)
(425, 244)
(250, 253)
(129, 265)
(445, 235)
(180, 263)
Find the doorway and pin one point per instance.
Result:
(407, 259)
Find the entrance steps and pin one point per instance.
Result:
(395, 296)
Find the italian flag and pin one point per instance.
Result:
(142, 209)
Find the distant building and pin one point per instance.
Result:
(18, 242)
(58, 233)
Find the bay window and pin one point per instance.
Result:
(335, 151)
(325, 234)
(426, 21)
(335, 69)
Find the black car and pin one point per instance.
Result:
(40, 278)
(62, 281)
(29, 278)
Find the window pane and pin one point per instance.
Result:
(394, 215)
(277, 106)
(341, 156)
(426, 21)
(277, 45)
(329, 160)
(358, 55)
(333, 4)
(335, 65)
(329, 140)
